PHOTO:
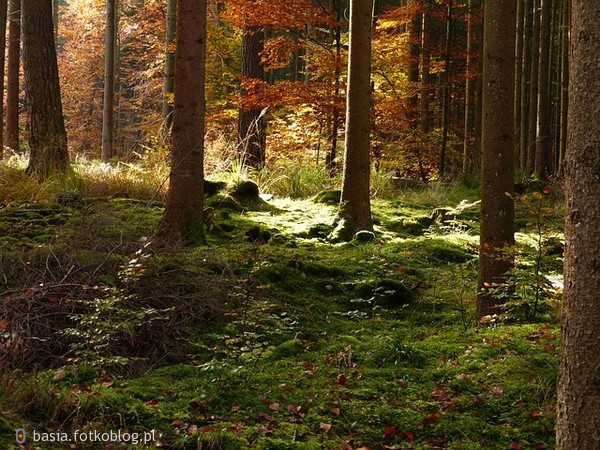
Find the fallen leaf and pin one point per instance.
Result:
(498, 391)
(151, 402)
(275, 407)
(60, 374)
(514, 446)
(540, 446)
(390, 431)
(177, 423)
(236, 407)
(326, 427)
(3, 325)
(341, 379)
(334, 410)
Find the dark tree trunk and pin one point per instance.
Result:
(45, 123)
(469, 91)
(525, 83)
(564, 84)
(425, 119)
(3, 14)
(446, 89)
(533, 89)
(12, 75)
(497, 170)
(518, 78)
(185, 200)
(414, 43)
(251, 122)
(356, 200)
(110, 38)
(542, 154)
(578, 388)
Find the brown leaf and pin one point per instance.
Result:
(326, 427)
(177, 423)
(3, 325)
(514, 446)
(334, 410)
(275, 407)
(60, 374)
(151, 402)
(341, 379)
(497, 390)
(236, 407)
(390, 431)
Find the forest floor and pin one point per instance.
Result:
(293, 343)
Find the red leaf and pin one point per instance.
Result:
(430, 418)
(236, 407)
(177, 423)
(540, 446)
(535, 415)
(409, 436)
(390, 432)
(334, 410)
(208, 429)
(341, 379)
(514, 446)
(547, 189)
(264, 416)
(498, 391)
(275, 407)
(3, 325)
(151, 403)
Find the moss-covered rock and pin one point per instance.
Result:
(328, 197)
(387, 292)
(213, 187)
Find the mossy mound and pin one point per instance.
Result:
(343, 232)
(412, 226)
(328, 197)
(213, 187)
(385, 292)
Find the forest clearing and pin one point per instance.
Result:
(299, 224)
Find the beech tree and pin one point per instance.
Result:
(355, 204)
(497, 169)
(47, 137)
(185, 199)
(578, 420)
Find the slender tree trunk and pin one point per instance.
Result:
(3, 15)
(185, 200)
(55, 8)
(169, 68)
(45, 124)
(12, 75)
(425, 114)
(355, 200)
(469, 91)
(564, 92)
(525, 83)
(446, 90)
(518, 78)
(533, 91)
(414, 41)
(497, 170)
(578, 387)
(110, 38)
(251, 122)
(479, 88)
(330, 158)
(542, 154)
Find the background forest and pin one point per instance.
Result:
(298, 224)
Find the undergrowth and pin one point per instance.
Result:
(287, 341)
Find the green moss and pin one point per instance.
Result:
(328, 197)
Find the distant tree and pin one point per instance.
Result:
(251, 122)
(47, 137)
(355, 200)
(542, 153)
(110, 40)
(3, 13)
(533, 89)
(578, 421)
(185, 200)
(12, 75)
(169, 69)
(497, 171)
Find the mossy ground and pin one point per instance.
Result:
(329, 346)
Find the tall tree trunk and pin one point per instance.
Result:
(169, 68)
(330, 158)
(542, 154)
(110, 38)
(425, 119)
(414, 41)
(355, 200)
(564, 83)
(525, 83)
(469, 91)
(55, 8)
(446, 89)
(3, 15)
(533, 88)
(12, 75)
(497, 170)
(185, 200)
(518, 78)
(45, 123)
(578, 388)
(251, 122)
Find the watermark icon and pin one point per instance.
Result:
(89, 436)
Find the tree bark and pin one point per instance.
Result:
(518, 78)
(497, 170)
(564, 84)
(533, 88)
(414, 41)
(169, 70)
(12, 75)
(185, 200)
(542, 153)
(578, 388)
(3, 15)
(355, 203)
(251, 123)
(525, 83)
(446, 89)
(45, 123)
(110, 39)
(425, 119)
(469, 91)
